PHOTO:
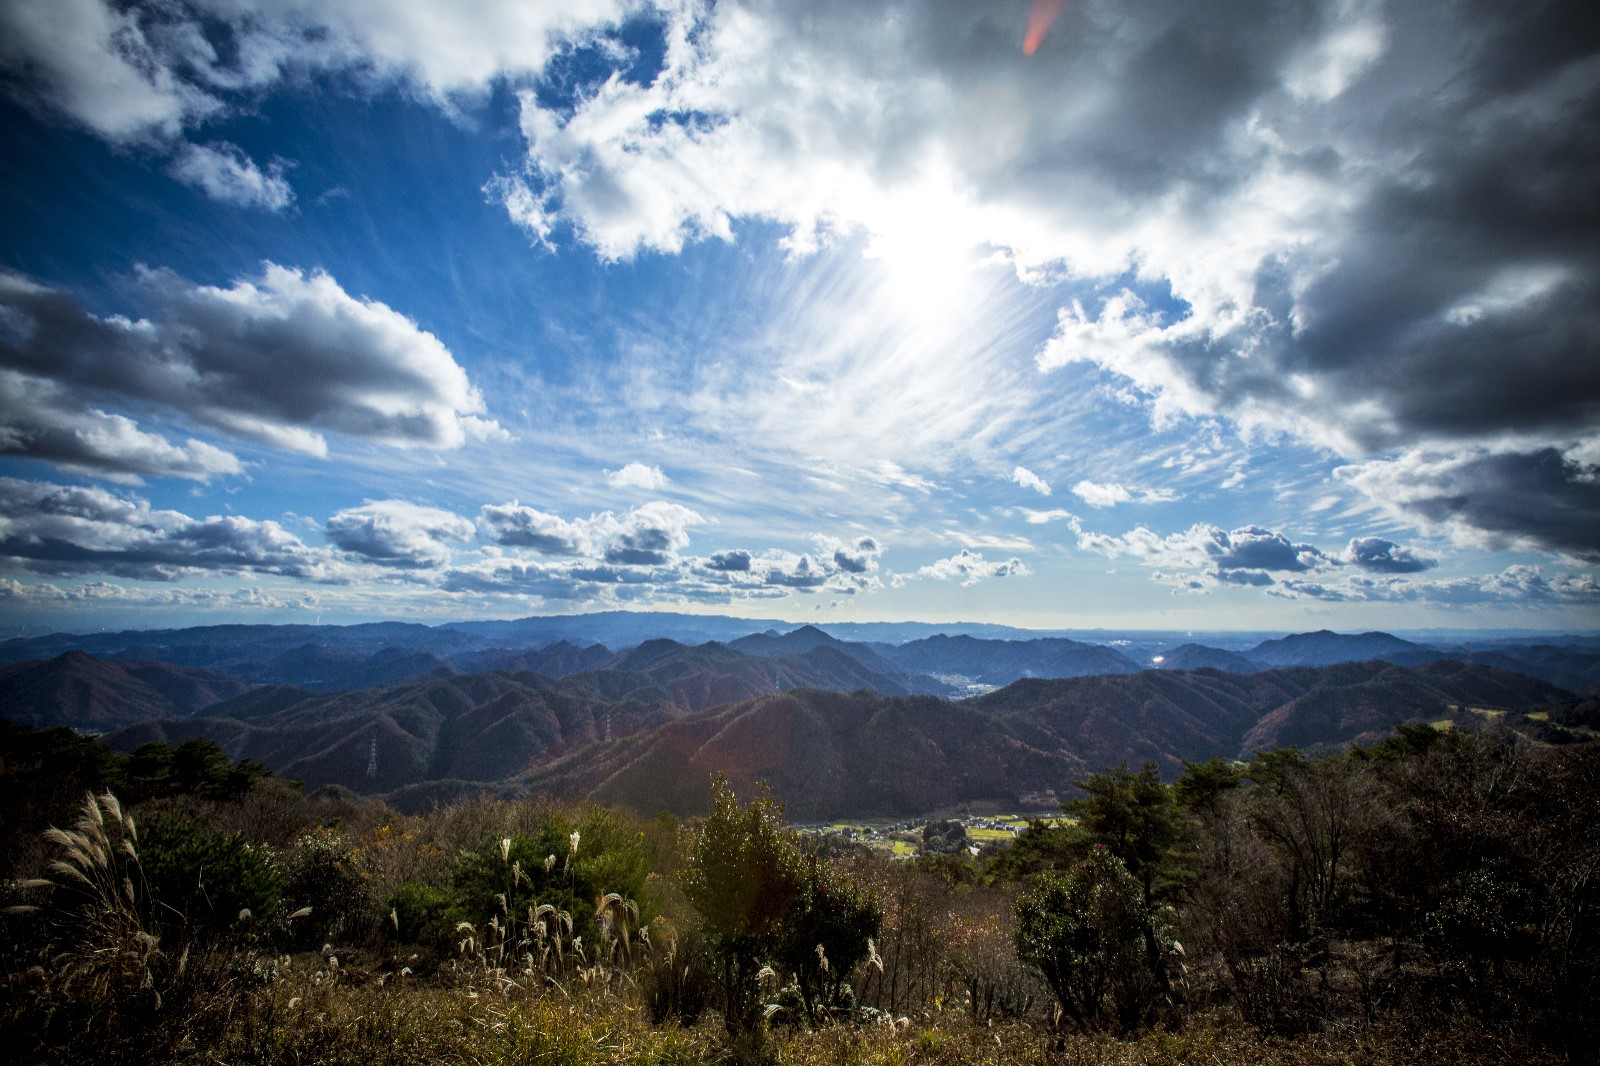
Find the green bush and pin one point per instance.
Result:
(1088, 934)
(204, 883)
(320, 872)
(422, 914)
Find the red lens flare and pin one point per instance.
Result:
(1040, 19)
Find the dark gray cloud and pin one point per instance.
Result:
(651, 534)
(1205, 555)
(1536, 499)
(281, 359)
(1381, 556)
(1255, 548)
(803, 573)
(516, 526)
(734, 560)
(856, 558)
(38, 421)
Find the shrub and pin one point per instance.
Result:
(1087, 933)
(320, 872)
(205, 883)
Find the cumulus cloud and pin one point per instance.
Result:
(1306, 263)
(282, 359)
(1246, 556)
(65, 529)
(38, 421)
(1516, 585)
(224, 173)
(855, 557)
(649, 535)
(145, 70)
(1029, 480)
(1386, 557)
(1541, 499)
(968, 567)
(838, 566)
(1367, 226)
(94, 63)
(636, 476)
(398, 533)
(734, 560)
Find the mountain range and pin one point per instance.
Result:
(836, 726)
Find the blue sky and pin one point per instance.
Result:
(1254, 317)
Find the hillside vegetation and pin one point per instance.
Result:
(1431, 898)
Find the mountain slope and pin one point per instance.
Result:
(825, 753)
(89, 694)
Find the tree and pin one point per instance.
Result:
(1313, 814)
(1086, 933)
(743, 875)
(1135, 817)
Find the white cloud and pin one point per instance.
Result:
(146, 69)
(637, 476)
(651, 534)
(282, 360)
(1112, 493)
(224, 173)
(1039, 518)
(1029, 480)
(1108, 495)
(398, 533)
(1514, 586)
(968, 567)
(94, 63)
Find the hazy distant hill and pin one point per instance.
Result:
(1324, 648)
(1000, 662)
(554, 660)
(820, 651)
(483, 727)
(1201, 657)
(340, 658)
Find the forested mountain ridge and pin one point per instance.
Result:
(644, 737)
